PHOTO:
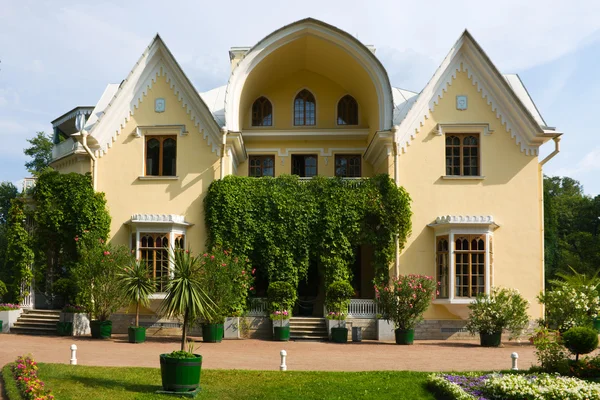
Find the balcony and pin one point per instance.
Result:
(66, 147)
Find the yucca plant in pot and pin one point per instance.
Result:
(137, 286)
(185, 297)
(337, 301)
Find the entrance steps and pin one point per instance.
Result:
(308, 328)
(36, 322)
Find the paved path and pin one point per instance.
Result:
(424, 355)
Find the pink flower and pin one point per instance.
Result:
(212, 257)
(243, 272)
(253, 271)
(204, 255)
(77, 238)
(107, 253)
(223, 265)
(251, 287)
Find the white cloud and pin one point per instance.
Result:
(589, 163)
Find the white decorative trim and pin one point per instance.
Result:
(74, 113)
(157, 178)
(159, 130)
(305, 150)
(307, 134)
(288, 34)
(464, 219)
(159, 218)
(466, 56)
(442, 128)
(155, 63)
(381, 146)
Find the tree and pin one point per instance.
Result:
(19, 255)
(40, 152)
(8, 191)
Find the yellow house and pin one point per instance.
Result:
(311, 99)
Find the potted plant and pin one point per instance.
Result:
(185, 297)
(404, 301)
(226, 280)
(490, 314)
(9, 313)
(137, 286)
(65, 326)
(337, 300)
(281, 297)
(97, 277)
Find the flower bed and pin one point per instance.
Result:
(9, 307)
(30, 386)
(514, 386)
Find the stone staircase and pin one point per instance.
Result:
(36, 322)
(308, 328)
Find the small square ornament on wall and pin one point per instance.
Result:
(159, 105)
(461, 102)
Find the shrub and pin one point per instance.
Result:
(569, 305)
(337, 299)
(501, 309)
(550, 352)
(405, 300)
(30, 386)
(227, 280)
(580, 340)
(281, 296)
(3, 289)
(72, 308)
(9, 307)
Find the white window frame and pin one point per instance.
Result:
(463, 225)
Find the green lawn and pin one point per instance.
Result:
(98, 383)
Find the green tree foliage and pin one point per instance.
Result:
(580, 340)
(19, 255)
(40, 152)
(137, 285)
(66, 208)
(572, 228)
(282, 223)
(8, 191)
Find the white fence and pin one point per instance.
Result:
(362, 308)
(258, 307)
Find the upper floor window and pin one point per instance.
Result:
(462, 154)
(261, 166)
(262, 112)
(347, 111)
(304, 165)
(161, 155)
(347, 165)
(305, 109)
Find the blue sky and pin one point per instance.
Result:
(60, 54)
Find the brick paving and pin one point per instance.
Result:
(424, 355)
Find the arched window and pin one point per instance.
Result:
(462, 154)
(347, 111)
(161, 155)
(262, 112)
(305, 109)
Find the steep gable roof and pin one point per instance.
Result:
(157, 60)
(466, 55)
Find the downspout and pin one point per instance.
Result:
(223, 146)
(555, 152)
(396, 181)
(84, 135)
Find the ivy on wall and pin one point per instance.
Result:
(66, 208)
(282, 223)
(19, 255)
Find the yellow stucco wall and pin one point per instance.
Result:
(509, 192)
(80, 164)
(120, 168)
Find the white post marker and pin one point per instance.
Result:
(73, 354)
(283, 367)
(514, 357)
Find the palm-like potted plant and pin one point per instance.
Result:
(137, 286)
(490, 314)
(337, 300)
(185, 297)
(404, 301)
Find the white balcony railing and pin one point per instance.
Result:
(66, 147)
(362, 308)
(258, 307)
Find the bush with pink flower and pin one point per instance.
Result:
(404, 300)
(31, 387)
(227, 279)
(9, 307)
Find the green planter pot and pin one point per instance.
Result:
(101, 329)
(339, 335)
(180, 374)
(404, 336)
(64, 328)
(1, 326)
(490, 339)
(137, 334)
(597, 324)
(281, 333)
(212, 333)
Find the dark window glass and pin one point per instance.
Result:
(154, 253)
(261, 166)
(152, 157)
(462, 155)
(304, 109)
(304, 165)
(161, 155)
(347, 111)
(169, 157)
(348, 166)
(262, 112)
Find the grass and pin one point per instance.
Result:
(10, 386)
(103, 383)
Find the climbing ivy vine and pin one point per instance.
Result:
(19, 255)
(282, 223)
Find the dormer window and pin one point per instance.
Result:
(462, 154)
(347, 111)
(262, 112)
(305, 106)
